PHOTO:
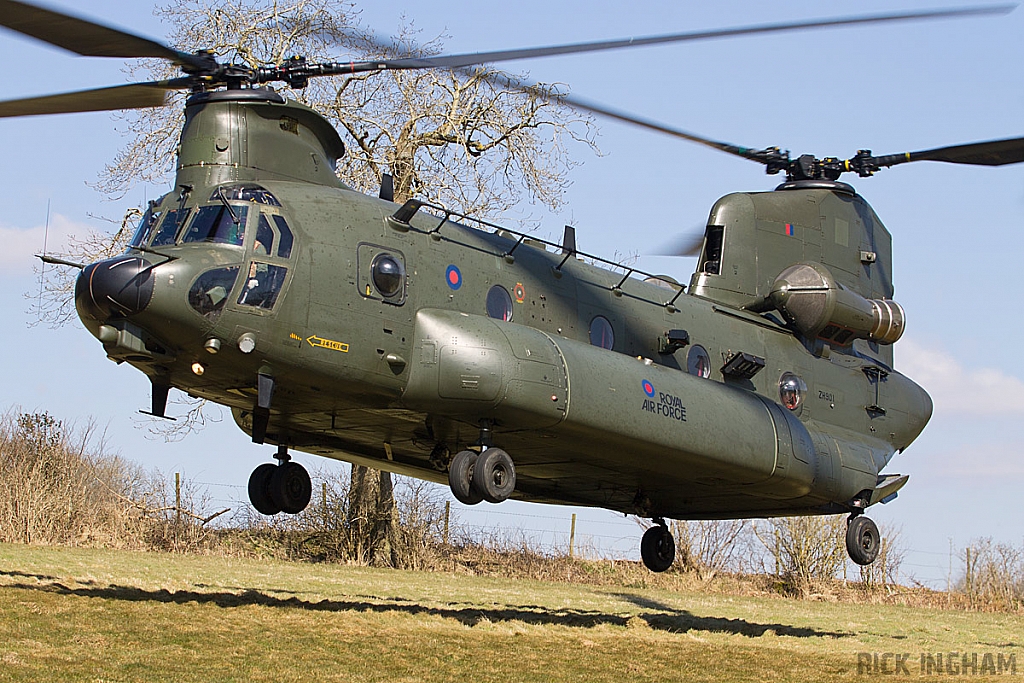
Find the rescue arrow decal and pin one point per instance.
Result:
(319, 342)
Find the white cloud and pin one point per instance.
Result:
(18, 246)
(957, 389)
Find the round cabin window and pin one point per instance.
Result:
(601, 333)
(792, 390)
(698, 362)
(499, 303)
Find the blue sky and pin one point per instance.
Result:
(957, 231)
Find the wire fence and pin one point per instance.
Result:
(595, 534)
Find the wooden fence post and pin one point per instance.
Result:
(447, 516)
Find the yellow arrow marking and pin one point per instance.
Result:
(320, 342)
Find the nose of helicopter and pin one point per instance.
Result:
(114, 288)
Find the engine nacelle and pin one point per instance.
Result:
(811, 300)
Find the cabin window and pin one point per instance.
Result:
(211, 289)
(219, 224)
(499, 303)
(262, 285)
(169, 227)
(711, 262)
(698, 362)
(601, 333)
(792, 390)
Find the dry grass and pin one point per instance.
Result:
(83, 614)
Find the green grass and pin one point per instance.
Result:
(101, 615)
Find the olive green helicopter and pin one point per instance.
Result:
(432, 344)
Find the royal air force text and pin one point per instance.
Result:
(668, 406)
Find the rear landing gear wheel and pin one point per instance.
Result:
(259, 489)
(290, 487)
(657, 548)
(460, 477)
(494, 476)
(862, 540)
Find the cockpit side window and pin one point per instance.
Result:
(284, 246)
(149, 220)
(263, 285)
(264, 237)
(219, 223)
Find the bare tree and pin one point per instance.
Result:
(712, 546)
(459, 139)
(806, 550)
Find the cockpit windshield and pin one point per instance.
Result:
(169, 227)
(223, 224)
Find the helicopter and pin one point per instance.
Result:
(418, 340)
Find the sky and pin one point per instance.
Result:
(957, 230)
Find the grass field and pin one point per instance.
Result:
(101, 615)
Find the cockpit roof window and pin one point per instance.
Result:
(218, 224)
(245, 193)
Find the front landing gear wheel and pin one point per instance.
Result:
(259, 489)
(657, 548)
(862, 540)
(494, 476)
(460, 477)
(290, 487)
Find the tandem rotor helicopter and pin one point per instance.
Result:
(431, 344)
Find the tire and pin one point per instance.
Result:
(259, 489)
(290, 487)
(460, 477)
(862, 540)
(494, 476)
(658, 549)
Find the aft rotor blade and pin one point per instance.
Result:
(132, 96)
(650, 124)
(85, 37)
(463, 60)
(503, 80)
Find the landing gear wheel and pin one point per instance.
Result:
(862, 540)
(460, 477)
(259, 489)
(290, 487)
(657, 548)
(494, 476)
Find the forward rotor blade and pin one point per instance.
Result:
(464, 60)
(992, 153)
(132, 96)
(85, 37)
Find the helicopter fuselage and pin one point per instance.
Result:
(331, 322)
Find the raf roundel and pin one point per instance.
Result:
(648, 388)
(453, 277)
